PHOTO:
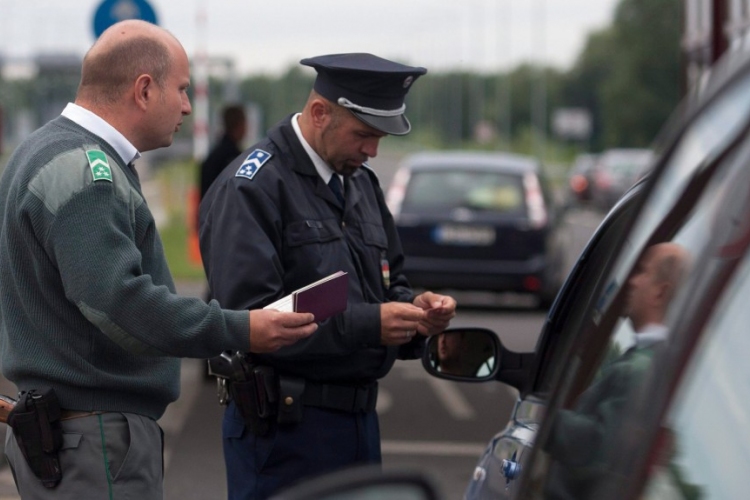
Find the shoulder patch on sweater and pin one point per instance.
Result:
(252, 163)
(99, 165)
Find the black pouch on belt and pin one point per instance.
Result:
(245, 396)
(35, 421)
(290, 399)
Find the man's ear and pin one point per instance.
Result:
(664, 293)
(320, 113)
(144, 91)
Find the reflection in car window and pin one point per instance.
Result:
(588, 395)
(713, 129)
(580, 435)
(709, 134)
(450, 189)
(710, 445)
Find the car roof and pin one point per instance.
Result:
(451, 160)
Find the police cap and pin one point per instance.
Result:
(371, 87)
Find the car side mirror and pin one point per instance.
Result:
(463, 354)
(481, 357)
(364, 482)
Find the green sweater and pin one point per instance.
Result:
(87, 302)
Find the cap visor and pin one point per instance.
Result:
(391, 125)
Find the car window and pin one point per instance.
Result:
(596, 380)
(704, 443)
(478, 190)
(706, 138)
(699, 145)
(582, 435)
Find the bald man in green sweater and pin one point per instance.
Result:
(87, 303)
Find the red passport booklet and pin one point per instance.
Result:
(324, 298)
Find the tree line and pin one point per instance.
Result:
(628, 76)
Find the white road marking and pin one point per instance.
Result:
(446, 391)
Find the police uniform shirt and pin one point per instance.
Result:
(271, 225)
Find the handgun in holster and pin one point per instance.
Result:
(258, 392)
(237, 382)
(35, 421)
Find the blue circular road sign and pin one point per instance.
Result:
(110, 12)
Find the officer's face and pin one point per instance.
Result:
(346, 142)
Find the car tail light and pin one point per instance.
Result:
(397, 190)
(532, 283)
(578, 183)
(535, 201)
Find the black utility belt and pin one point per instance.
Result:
(266, 396)
(352, 399)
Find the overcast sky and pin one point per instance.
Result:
(269, 36)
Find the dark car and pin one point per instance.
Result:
(614, 171)
(477, 221)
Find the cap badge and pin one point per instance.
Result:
(408, 81)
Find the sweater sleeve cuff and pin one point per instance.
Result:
(238, 327)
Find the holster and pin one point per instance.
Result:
(35, 421)
(245, 397)
(264, 396)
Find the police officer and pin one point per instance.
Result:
(296, 207)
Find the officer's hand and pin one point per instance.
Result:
(439, 309)
(399, 322)
(271, 330)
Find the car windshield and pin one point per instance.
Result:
(473, 189)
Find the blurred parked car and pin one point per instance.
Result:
(581, 178)
(477, 221)
(615, 171)
(672, 425)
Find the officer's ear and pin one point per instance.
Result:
(321, 112)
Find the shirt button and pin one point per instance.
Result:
(343, 224)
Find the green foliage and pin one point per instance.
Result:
(628, 76)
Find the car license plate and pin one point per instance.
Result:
(451, 234)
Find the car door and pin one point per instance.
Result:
(576, 361)
(684, 430)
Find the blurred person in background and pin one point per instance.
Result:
(89, 318)
(229, 146)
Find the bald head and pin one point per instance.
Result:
(122, 53)
(670, 262)
(136, 77)
(659, 273)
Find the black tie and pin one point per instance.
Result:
(335, 185)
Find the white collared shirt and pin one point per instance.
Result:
(324, 171)
(650, 335)
(96, 125)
